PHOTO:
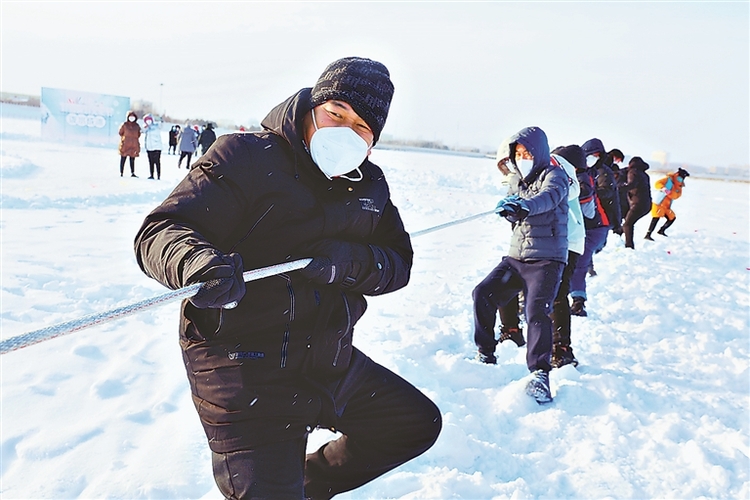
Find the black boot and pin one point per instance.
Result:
(651, 228)
(562, 355)
(513, 334)
(666, 226)
(579, 307)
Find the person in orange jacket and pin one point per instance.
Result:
(670, 188)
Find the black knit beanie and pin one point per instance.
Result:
(362, 83)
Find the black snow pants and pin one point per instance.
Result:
(154, 162)
(384, 421)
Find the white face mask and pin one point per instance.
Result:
(337, 151)
(525, 166)
(591, 160)
(131, 118)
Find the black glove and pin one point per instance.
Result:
(320, 270)
(222, 280)
(337, 262)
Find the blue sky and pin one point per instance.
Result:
(641, 76)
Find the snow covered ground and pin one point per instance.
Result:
(658, 408)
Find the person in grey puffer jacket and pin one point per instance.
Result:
(537, 206)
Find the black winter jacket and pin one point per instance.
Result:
(264, 368)
(638, 186)
(606, 185)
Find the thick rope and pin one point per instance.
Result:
(31, 338)
(37, 336)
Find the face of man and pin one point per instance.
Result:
(336, 113)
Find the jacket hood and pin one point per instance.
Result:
(638, 163)
(574, 154)
(594, 146)
(285, 120)
(131, 113)
(535, 141)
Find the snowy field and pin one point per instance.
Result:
(658, 408)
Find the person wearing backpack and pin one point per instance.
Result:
(670, 188)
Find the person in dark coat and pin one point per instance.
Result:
(130, 146)
(606, 185)
(638, 191)
(207, 137)
(537, 206)
(273, 359)
(174, 133)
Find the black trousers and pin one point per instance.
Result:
(539, 281)
(385, 422)
(122, 164)
(154, 161)
(561, 306)
(183, 154)
(634, 214)
(560, 310)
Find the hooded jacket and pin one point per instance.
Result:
(152, 141)
(543, 233)
(130, 133)
(188, 140)
(576, 229)
(669, 189)
(267, 365)
(638, 186)
(207, 137)
(605, 183)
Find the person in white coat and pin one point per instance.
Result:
(153, 143)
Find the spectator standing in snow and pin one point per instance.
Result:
(188, 143)
(597, 226)
(207, 137)
(153, 144)
(537, 206)
(267, 371)
(130, 146)
(174, 133)
(638, 191)
(670, 188)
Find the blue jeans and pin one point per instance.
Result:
(595, 239)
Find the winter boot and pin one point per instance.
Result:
(513, 334)
(665, 227)
(488, 359)
(651, 228)
(538, 387)
(579, 307)
(562, 355)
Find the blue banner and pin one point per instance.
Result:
(82, 117)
